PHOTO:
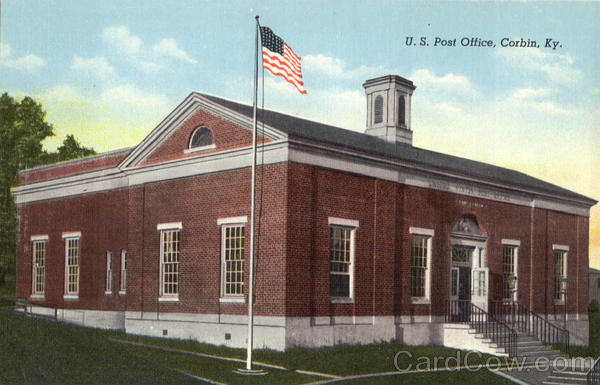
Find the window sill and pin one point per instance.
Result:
(420, 301)
(37, 297)
(232, 299)
(122, 292)
(559, 302)
(168, 299)
(341, 300)
(199, 149)
(108, 293)
(71, 297)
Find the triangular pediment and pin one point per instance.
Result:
(169, 140)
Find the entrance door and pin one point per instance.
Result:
(454, 283)
(467, 267)
(479, 295)
(464, 292)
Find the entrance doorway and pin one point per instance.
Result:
(469, 276)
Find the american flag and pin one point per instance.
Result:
(280, 60)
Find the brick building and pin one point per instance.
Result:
(362, 237)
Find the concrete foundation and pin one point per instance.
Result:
(281, 333)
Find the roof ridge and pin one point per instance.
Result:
(76, 161)
(322, 132)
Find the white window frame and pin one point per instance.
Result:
(109, 279)
(123, 267)
(226, 223)
(208, 147)
(353, 225)
(565, 250)
(163, 228)
(516, 245)
(67, 237)
(429, 234)
(35, 241)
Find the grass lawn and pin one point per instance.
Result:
(340, 361)
(217, 370)
(34, 351)
(482, 376)
(39, 352)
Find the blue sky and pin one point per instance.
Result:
(109, 71)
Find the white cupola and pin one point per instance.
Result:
(388, 108)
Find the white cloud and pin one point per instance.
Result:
(168, 48)
(120, 38)
(336, 68)
(327, 65)
(447, 109)
(96, 66)
(558, 68)
(28, 63)
(131, 98)
(531, 93)
(426, 78)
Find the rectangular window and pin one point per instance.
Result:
(419, 254)
(169, 262)
(509, 271)
(108, 289)
(340, 262)
(233, 256)
(39, 267)
(420, 264)
(123, 287)
(560, 272)
(73, 260)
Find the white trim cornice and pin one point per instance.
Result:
(193, 103)
(292, 150)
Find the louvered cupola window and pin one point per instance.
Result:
(378, 118)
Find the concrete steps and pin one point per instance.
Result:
(568, 377)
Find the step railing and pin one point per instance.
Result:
(521, 318)
(499, 332)
(593, 376)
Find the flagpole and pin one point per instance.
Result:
(252, 212)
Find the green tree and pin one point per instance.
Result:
(23, 127)
(71, 149)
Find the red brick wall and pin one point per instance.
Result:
(102, 220)
(226, 136)
(382, 261)
(198, 203)
(114, 221)
(58, 170)
(293, 258)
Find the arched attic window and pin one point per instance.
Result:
(200, 140)
(378, 109)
